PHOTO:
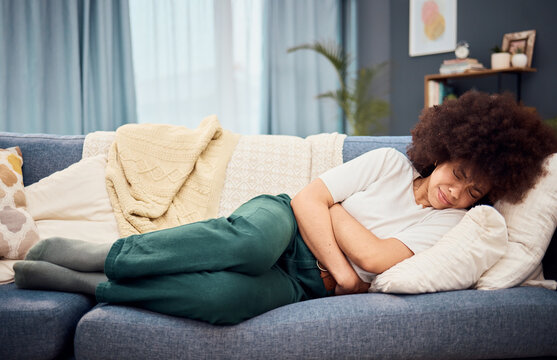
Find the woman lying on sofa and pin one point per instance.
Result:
(354, 221)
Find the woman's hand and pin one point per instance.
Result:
(311, 209)
(362, 247)
(359, 287)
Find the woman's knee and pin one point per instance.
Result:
(264, 227)
(261, 244)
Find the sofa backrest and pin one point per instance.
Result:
(45, 154)
(357, 145)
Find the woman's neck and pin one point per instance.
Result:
(420, 191)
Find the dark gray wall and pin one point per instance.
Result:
(480, 22)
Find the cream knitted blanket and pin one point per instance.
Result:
(260, 164)
(161, 176)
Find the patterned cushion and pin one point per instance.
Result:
(18, 231)
(265, 164)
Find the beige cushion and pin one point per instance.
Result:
(531, 224)
(18, 231)
(71, 203)
(455, 262)
(74, 203)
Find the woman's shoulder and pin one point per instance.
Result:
(384, 163)
(392, 157)
(387, 153)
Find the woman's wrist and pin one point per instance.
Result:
(348, 280)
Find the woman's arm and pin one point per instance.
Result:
(311, 208)
(364, 248)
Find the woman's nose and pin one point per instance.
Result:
(455, 190)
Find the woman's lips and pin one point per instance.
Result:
(443, 199)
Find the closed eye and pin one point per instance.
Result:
(475, 194)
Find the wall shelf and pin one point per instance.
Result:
(443, 78)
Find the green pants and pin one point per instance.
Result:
(222, 270)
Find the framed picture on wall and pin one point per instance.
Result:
(432, 27)
(522, 41)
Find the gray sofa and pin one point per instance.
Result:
(468, 324)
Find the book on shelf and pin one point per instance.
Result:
(460, 61)
(438, 92)
(457, 66)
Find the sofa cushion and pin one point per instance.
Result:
(456, 324)
(74, 203)
(38, 324)
(18, 231)
(71, 203)
(530, 224)
(455, 262)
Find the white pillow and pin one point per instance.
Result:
(74, 203)
(71, 203)
(75, 193)
(455, 262)
(531, 224)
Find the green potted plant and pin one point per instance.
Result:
(362, 111)
(499, 58)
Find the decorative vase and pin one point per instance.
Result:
(500, 60)
(519, 60)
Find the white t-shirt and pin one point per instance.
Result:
(376, 188)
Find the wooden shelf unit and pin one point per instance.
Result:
(477, 73)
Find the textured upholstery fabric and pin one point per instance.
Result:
(464, 324)
(38, 324)
(357, 145)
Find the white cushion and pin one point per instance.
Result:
(455, 262)
(531, 224)
(71, 203)
(75, 193)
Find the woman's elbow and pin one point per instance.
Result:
(382, 260)
(314, 193)
(373, 265)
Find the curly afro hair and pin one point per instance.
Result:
(502, 142)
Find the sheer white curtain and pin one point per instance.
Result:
(198, 57)
(293, 80)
